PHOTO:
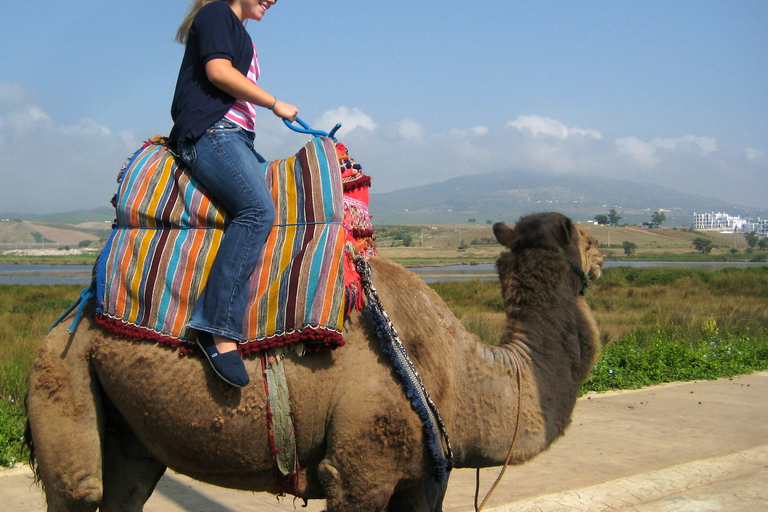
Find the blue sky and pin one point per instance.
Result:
(673, 93)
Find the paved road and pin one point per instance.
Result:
(698, 446)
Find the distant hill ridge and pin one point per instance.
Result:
(100, 214)
(505, 197)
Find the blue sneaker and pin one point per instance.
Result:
(228, 366)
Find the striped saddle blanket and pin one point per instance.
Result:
(169, 228)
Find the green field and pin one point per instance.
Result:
(467, 244)
(657, 325)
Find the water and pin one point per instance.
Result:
(81, 274)
(45, 274)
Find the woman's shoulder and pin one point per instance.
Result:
(214, 6)
(214, 10)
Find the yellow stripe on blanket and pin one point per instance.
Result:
(158, 257)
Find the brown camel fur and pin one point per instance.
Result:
(107, 416)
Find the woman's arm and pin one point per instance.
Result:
(223, 75)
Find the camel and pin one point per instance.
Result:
(107, 416)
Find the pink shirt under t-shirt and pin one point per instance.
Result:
(243, 113)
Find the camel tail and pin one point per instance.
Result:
(29, 442)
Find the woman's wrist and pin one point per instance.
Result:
(273, 104)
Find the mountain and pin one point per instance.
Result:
(101, 214)
(500, 196)
(20, 231)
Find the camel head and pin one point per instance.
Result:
(554, 232)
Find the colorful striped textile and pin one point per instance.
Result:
(168, 230)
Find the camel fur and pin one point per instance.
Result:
(107, 416)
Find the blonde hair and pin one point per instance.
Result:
(183, 33)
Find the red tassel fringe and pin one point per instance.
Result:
(363, 181)
(315, 339)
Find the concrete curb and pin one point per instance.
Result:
(648, 487)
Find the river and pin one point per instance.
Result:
(81, 274)
(45, 274)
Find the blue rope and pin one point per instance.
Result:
(306, 129)
(85, 295)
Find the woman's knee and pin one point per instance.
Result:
(257, 216)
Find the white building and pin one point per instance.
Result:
(729, 224)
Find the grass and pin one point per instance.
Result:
(657, 325)
(26, 313)
(62, 259)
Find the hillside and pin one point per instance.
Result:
(23, 234)
(507, 196)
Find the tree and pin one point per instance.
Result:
(658, 218)
(703, 244)
(629, 247)
(601, 219)
(613, 217)
(751, 239)
(472, 221)
(763, 244)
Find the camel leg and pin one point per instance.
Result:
(66, 423)
(345, 496)
(425, 497)
(130, 471)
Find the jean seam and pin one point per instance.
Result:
(223, 151)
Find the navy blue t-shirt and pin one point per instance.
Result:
(216, 33)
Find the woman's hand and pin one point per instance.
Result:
(285, 111)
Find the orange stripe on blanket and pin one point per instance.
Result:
(296, 292)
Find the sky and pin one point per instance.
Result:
(672, 93)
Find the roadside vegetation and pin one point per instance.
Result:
(657, 325)
(26, 313)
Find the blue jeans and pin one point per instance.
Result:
(225, 163)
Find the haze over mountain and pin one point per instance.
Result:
(504, 197)
(498, 196)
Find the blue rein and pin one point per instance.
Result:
(304, 128)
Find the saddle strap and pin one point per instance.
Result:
(437, 437)
(282, 434)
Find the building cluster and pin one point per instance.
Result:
(725, 223)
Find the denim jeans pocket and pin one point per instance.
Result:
(188, 154)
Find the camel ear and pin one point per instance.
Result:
(564, 230)
(504, 234)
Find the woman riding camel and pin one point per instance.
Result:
(214, 109)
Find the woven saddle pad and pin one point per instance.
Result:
(168, 230)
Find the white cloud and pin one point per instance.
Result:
(410, 129)
(47, 167)
(704, 144)
(641, 152)
(350, 119)
(538, 125)
(476, 131)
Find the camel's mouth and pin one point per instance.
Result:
(591, 257)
